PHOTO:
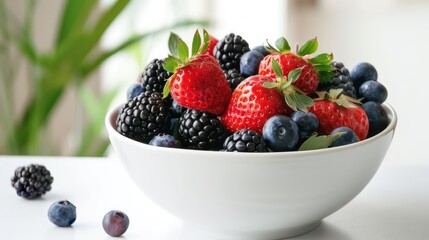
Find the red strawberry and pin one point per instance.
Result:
(197, 82)
(212, 43)
(258, 98)
(336, 110)
(314, 69)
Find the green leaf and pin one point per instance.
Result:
(196, 43)
(276, 67)
(166, 89)
(325, 77)
(323, 58)
(183, 50)
(304, 102)
(270, 48)
(270, 84)
(294, 74)
(323, 68)
(282, 45)
(170, 64)
(319, 142)
(308, 47)
(290, 101)
(173, 45)
(206, 39)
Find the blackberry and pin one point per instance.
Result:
(154, 76)
(143, 117)
(341, 79)
(201, 130)
(229, 50)
(234, 77)
(32, 181)
(245, 141)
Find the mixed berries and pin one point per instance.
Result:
(222, 95)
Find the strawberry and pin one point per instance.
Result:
(212, 43)
(258, 98)
(335, 110)
(197, 82)
(313, 69)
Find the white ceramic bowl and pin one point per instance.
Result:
(252, 196)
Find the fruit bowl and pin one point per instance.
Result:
(252, 195)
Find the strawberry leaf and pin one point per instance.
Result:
(170, 64)
(294, 74)
(196, 43)
(323, 58)
(183, 50)
(173, 41)
(270, 48)
(270, 84)
(282, 45)
(276, 67)
(308, 47)
(323, 68)
(298, 101)
(319, 142)
(325, 77)
(206, 40)
(166, 89)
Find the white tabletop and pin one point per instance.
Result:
(394, 205)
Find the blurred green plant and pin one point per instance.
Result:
(73, 57)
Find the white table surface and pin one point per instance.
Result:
(394, 205)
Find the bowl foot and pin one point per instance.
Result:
(277, 234)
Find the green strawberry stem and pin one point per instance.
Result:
(294, 97)
(179, 54)
(337, 96)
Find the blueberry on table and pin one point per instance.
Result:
(280, 133)
(134, 90)
(377, 117)
(165, 140)
(363, 72)
(307, 123)
(62, 213)
(115, 223)
(249, 63)
(348, 137)
(373, 91)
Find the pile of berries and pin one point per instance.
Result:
(221, 95)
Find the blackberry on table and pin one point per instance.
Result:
(201, 130)
(234, 77)
(143, 117)
(32, 181)
(154, 76)
(245, 141)
(228, 51)
(341, 80)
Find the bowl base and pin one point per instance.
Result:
(258, 235)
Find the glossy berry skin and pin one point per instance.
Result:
(373, 91)
(307, 81)
(201, 85)
(165, 140)
(115, 223)
(261, 49)
(307, 123)
(134, 90)
(348, 137)
(280, 133)
(249, 63)
(331, 116)
(252, 104)
(363, 72)
(62, 213)
(244, 140)
(377, 117)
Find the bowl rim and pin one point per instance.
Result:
(112, 131)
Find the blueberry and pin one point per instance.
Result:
(280, 133)
(261, 49)
(134, 90)
(307, 123)
(377, 117)
(348, 137)
(363, 72)
(115, 223)
(373, 91)
(165, 140)
(249, 63)
(62, 213)
(176, 109)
